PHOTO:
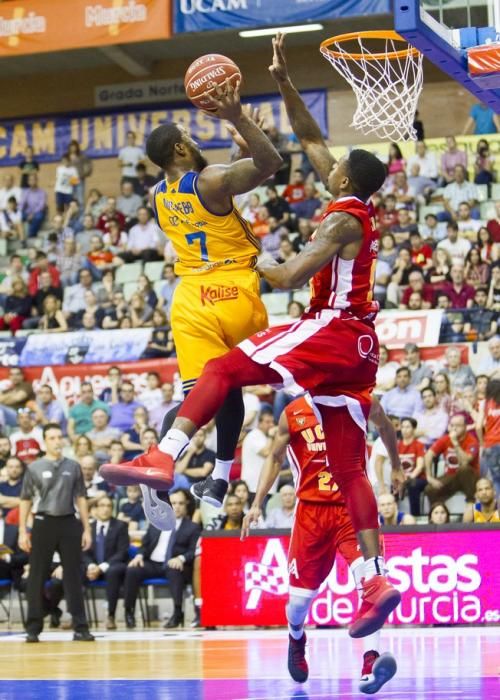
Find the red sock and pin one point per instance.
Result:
(233, 370)
(346, 448)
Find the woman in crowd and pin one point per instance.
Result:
(162, 342)
(396, 162)
(17, 307)
(84, 168)
(487, 247)
(295, 310)
(386, 373)
(240, 488)
(115, 239)
(443, 391)
(146, 289)
(106, 288)
(131, 439)
(81, 447)
(95, 204)
(438, 274)
(439, 514)
(477, 272)
(388, 251)
(140, 311)
(53, 320)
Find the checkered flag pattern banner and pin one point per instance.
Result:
(269, 579)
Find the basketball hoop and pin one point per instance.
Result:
(387, 83)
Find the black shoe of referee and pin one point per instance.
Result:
(210, 491)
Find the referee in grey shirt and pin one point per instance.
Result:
(54, 485)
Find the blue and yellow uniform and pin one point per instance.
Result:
(480, 517)
(217, 303)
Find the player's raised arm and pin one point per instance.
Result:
(242, 175)
(269, 474)
(388, 435)
(303, 125)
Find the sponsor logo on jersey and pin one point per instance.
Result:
(218, 292)
(374, 245)
(300, 421)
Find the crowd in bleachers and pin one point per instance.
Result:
(88, 260)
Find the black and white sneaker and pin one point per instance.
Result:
(210, 491)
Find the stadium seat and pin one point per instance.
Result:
(429, 209)
(487, 210)
(154, 270)
(6, 585)
(143, 596)
(276, 303)
(482, 193)
(128, 273)
(495, 191)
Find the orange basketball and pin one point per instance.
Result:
(204, 74)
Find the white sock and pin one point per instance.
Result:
(375, 566)
(222, 469)
(372, 642)
(296, 613)
(174, 443)
(198, 602)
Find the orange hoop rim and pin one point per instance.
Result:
(375, 34)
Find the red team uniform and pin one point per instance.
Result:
(322, 526)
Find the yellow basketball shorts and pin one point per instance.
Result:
(211, 315)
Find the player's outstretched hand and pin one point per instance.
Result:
(398, 480)
(278, 67)
(251, 518)
(225, 102)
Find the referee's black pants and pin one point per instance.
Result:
(64, 534)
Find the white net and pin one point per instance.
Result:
(386, 88)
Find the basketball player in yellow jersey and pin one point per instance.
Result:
(485, 509)
(217, 303)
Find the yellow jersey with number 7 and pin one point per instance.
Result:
(203, 241)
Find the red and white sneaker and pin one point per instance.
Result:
(154, 468)
(297, 664)
(378, 600)
(377, 670)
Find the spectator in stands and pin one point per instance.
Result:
(277, 207)
(477, 272)
(144, 182)
(421, 186)
(47, 408)
(494, 290)
(116, 452)
(485, 509)
(17, 307)
(162, 340)
(256, 447)
(131, 438)
(493, 225)
(404, 400)
(459, 374)
(400, 276)
(490, 364)
(99, 258)
(403, 192)
(74, 296)
(488, 249)
(10, 489)
(88, 231)
(158, 413)
(146, 289)
(17, 392)
(66, 179)
(52, 319)
(295, 191)
(461, 294)
(488, 430)
(421, 253)
(426, 161)
(96, 204)
(164, 553)
(439, 273)
(411, 454)
(33, 205)
(26, 442)
(140, 311)
(388, 250)
(453, 327)
(460, 451)
(110, 213)
(433, 230)
(416, 284)
(458, 191)
(442, 387)
(283, 516)
(432, 419)
(484, 165)
(83, 167)
(305, 230)
(143, 239)
(388, 215)
(467, 226)
(198, 461)
(271, 241)
(11, 565)
(286, 251)
(14, 270)
(306, 208)
(386, 373)
(482, 120)
(80, 414)
(69, 262)
(416, 301)
(9, 190)
(131, 511)
(11, 221)
(250, 208)
(129, 157)
(73, 218)
(452, 157)
(28, 166)
(169, 286)
(439, 514)
(151, 397)
(233, 517)
(40, 266)
(421, 373)
(115, 240)
(389, 514)
(80, 447)
(113, 379)
(239, 488)
(457, 248)
(128, 203)
(122, 411)
(396, 163)
(102, 434)
(95, 486)
(404, 226)
(105, 560)
(118, 310)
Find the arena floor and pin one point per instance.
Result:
(444, 663)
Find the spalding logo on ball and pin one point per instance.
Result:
(204, 74)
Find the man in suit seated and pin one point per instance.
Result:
(107, 557)
(167, 554)
(12, 560)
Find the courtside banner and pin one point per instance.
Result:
(210, 15)
(38, 26)
(101, 135)
(396, 328)
(444, 577)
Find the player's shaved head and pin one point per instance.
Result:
(366, 172)
(160, 145)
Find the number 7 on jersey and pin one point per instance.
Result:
(201, 237)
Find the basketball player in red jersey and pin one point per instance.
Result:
(321, 528)
(331, 351)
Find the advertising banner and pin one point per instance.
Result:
(210, 15)
(102, 135)
(444, 578)
(66, 380)
(37, 26)
(396, 328)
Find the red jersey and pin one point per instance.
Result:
(348, 284)
(307, 456)
(293, 194)
(408, 454)
(445, 447)
(492, 423)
